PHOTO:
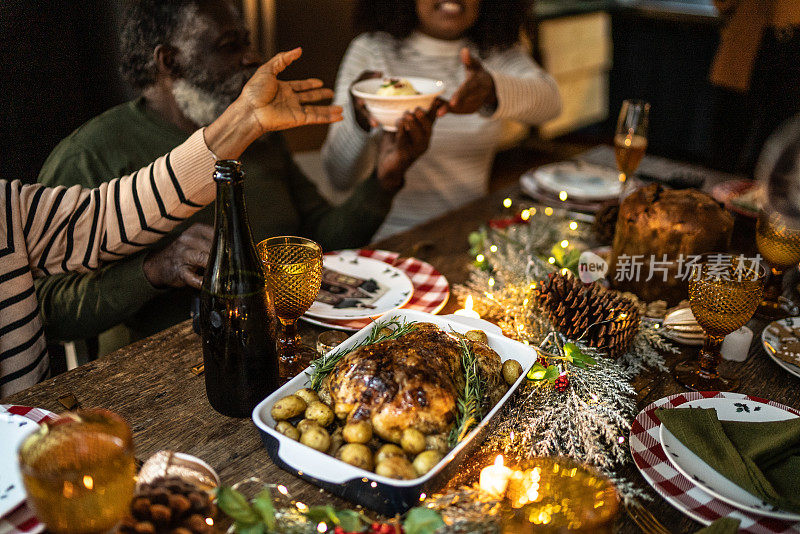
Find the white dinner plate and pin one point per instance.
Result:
(703, 475)
(772, 343)
(395, 286)
(581, 181)
(14, 429)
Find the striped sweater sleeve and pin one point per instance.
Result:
(525, 92)
(349, 153)
(75, 228)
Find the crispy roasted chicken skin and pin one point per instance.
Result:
(410, 382)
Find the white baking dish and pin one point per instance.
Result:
(384, 495)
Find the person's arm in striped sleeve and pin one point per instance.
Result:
(75, 228)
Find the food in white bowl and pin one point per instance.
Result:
(396, 87)
(387, 103)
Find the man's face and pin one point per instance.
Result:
(213, 62)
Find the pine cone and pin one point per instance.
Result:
(602, 319)
(561, 384)
(169, 505)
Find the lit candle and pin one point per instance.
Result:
(494, 478)
(468, 311)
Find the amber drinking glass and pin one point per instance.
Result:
(630, 141)
(724, 292)
(293, 270)
(79, 472)
(779, 244)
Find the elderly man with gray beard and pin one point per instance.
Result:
(190, 59)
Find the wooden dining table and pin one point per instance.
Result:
(151, 384)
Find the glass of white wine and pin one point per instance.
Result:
(630, 141)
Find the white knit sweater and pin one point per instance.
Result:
(455, 169)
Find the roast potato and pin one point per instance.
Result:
(412, 441)
(308, 395)
(304, 425)
(320, 412)
(436, 442)
(316, 437)
(477, 335)
(336, 441)
(425, 461)
(357, 432)
(511, 371)
(396, 467)
(288, 407)
(388, 451)
(342, 410)
(286, 428)
(356, 454)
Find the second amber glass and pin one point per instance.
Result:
(79, 472)
(779, 244)
(630, 141)
(293, 271)
(724, 293)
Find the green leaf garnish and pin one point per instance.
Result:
(235, 505)
(263, 506)
(551, 374)
(537, 371)
(422, 520)
(350, 520)
(255, 528)
(469, 404)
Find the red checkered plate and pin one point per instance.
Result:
(431, 289)
(678, 490)
(22, 519)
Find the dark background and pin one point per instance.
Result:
(59, 69)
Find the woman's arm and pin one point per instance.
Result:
(350, 153)
(524, 91)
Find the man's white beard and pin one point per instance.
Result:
(198, 105)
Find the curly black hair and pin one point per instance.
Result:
(147, 24)
(497, 27)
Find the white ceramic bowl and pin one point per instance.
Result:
(387, 109)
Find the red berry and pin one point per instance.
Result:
(386, 528)
(562, 383)
(338, 530)
(375, 526)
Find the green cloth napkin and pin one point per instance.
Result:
(760, 457)
(725, 525)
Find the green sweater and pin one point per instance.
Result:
(280, 201)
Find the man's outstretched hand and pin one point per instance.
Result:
(268, 104)
(279, 105)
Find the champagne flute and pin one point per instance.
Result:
(79, 472)
(293, 270)
(630, 141)
(779, 244)
(724, 292)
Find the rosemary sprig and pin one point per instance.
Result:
(323, 366)
(469, 405)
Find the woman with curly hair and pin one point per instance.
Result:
(471, 45)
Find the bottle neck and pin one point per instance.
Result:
(233, 237)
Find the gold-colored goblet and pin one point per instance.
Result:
(293, 271)
(724, 292)
(79, 472)
(779, 244)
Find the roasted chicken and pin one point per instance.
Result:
(410, 382)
